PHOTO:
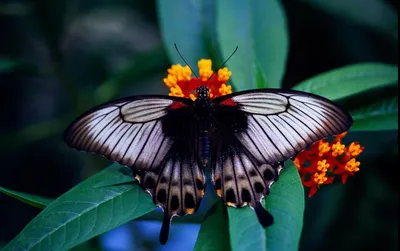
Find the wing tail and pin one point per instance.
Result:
(263, 216)
(177, 187)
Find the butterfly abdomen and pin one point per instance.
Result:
(204, 144)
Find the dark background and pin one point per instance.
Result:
(57, 58)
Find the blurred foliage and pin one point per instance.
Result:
(60, 58)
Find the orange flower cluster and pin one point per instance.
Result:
(181, 83)
(319, 164)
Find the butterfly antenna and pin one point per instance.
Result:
(176, 48)
(225, 62)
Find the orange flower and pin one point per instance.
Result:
(323, 147)
(324, 160)
(181, 83)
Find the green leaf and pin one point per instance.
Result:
(182, 22)
(31, 199)
(123, 176)
(7, 64)
(259, 29)
(34, 132)
(82, 213)
(286, 203)
(349, 80)
(375, 14)
(380, 115)
(245, 231)
(214, 234)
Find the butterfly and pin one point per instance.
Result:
(244, 137)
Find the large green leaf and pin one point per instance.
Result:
(246, 233)
(82, 213)
(183, 22)
(380, 115)
(31, 199)
(259, 29)
(214, 234)
(121, 177)
(376, 14)
(349, 80)
(286, 203)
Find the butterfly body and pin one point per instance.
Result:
(245, 137)
(202, 109)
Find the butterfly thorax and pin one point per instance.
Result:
(203, 108)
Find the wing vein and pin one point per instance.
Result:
(119, 140)
(133, 139)
(158, 150)
(144, 144)
(331, 111)
(248, 177)
(293, 114)
(234, 175)
(256, 166)
(85, 121)
(169, 186)
(319, 127)
(284, 136)
(294, 130)
(332, 117)
(194, 183)
(114, 120)
(255, 146)
(108, 137)
(81, 131)
(266, 134)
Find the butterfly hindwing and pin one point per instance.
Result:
(177, 187)
(240, 180)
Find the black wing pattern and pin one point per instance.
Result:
(254, 132)
(240, 180)
(144, 133)
(177, 187)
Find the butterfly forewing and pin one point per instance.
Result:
(282, 123)
(129, 131)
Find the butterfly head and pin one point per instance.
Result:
(202, 92)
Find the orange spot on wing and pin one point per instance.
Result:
(190, 210)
